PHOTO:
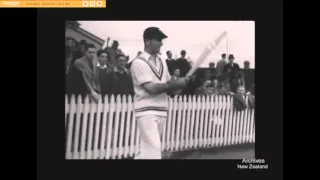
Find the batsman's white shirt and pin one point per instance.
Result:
(144, 70)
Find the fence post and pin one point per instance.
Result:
(169, 123)
(77, 131)
(110, 128)
(124, 109)
(206, 121)
(223, 121)
(226, 120)
(96, 151)
(210, 122)
(128, 124)
(229, 119)
(93, 110)
(84, 128)
(218, 120)
(198, 105)
(174, 120)
(193, 108)
(70, 127)
(178, 123)
(201, 110)
(104, 124)
(252, 127)
(116, 129)
(183, 128)
(188, 113)
(246, 115)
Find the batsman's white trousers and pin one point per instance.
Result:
(151, 128)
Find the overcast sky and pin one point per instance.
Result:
(191, 36)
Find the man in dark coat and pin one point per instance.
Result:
(231, 68)
(183, 64)
(104, 72)
(83, 77)
(220, 65)
(239, 100)
(212, 70)
(170, 63)
(120, 81)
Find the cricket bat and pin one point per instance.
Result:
(206, 52)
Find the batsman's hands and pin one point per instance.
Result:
(231, 93)
(178, 84)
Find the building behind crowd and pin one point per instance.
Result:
(74, 30)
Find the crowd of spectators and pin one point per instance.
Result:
(95, 72)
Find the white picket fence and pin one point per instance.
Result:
(108, 130)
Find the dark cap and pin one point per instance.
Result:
(183, 52)
(231, 56)
(153, 33)
(115, 42)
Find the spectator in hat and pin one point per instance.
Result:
(183, 64)
(220, 65)
(212, 73)
(170, 62)
(246, 65)
(113, 51)
(231, 68)
(212, 65)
